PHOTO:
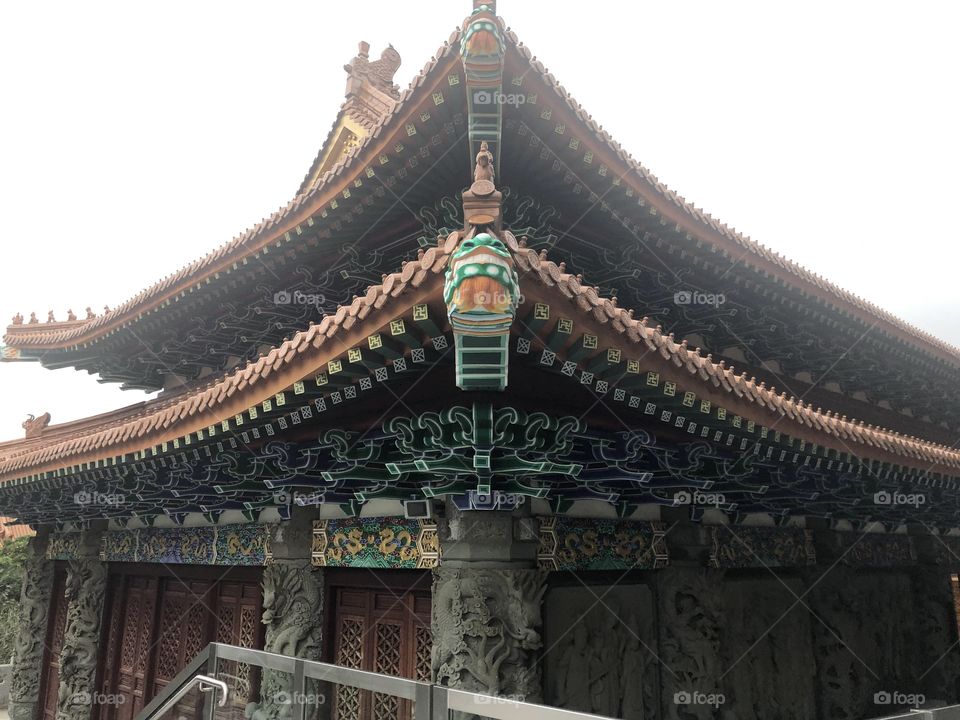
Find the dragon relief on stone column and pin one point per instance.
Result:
(487, 631)
(85, 588)
(293, 615)
(28, 645)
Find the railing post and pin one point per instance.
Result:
(299, 709)
(439, 703)
(423, 703)
(210, 705)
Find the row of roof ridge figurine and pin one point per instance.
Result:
(483, 171)
(71, 316)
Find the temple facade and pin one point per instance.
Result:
(488, 405)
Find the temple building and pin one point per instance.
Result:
(487, 405)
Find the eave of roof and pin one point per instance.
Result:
(36, 337)
(698, 223)
(672, 208)
(421, 281)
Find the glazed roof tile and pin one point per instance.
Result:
(742, 241)
(65, 334)
(149, 424)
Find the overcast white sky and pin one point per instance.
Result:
(135, 137)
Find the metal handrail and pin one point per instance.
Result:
(184, 676)
(431, 702)
(204, 684)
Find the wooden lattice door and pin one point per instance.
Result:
(130, 635)
(159, 618)
(238, 623)
(56, 624)
(385, 629)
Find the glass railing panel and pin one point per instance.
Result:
(189, 707)
(245, 686)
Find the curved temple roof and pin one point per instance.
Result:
(301, 357)
(314, 195)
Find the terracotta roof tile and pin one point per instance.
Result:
(752, 247)
(160, 420)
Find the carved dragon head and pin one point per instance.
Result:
(481, 279)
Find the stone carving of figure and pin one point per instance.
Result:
(634, 660)
(484, 169)
(573, 682)
(602, 676)
(71, 315)
(90, 313)
(33, 318)
(18, 319)
(50, 317)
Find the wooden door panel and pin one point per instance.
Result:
(160, 618)
(383, 630)
(57, 623)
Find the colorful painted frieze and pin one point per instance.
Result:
(376, 542)
(750, 547)
(568, 543)
(233, 544)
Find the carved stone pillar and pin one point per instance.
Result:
(487, 601)
(85, 590)
(690, 614)
(29, 645)
(938, 661)
(292, 612)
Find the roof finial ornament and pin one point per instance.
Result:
(50, 317)
(90, 314)
(18, 319)
(34, 426)
(33, 318)
(71, 315)
(484, 168)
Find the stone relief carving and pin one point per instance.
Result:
(866, 642)
(767, 658)
(293, 614)
(600, 651)
(690, 618)
(85, 588)
(939, 657)
(29, 646)
(486, 629)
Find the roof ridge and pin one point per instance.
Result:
(432, 263)
(691, 359)
(159, 413)
(165, 284)
(706, 218)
